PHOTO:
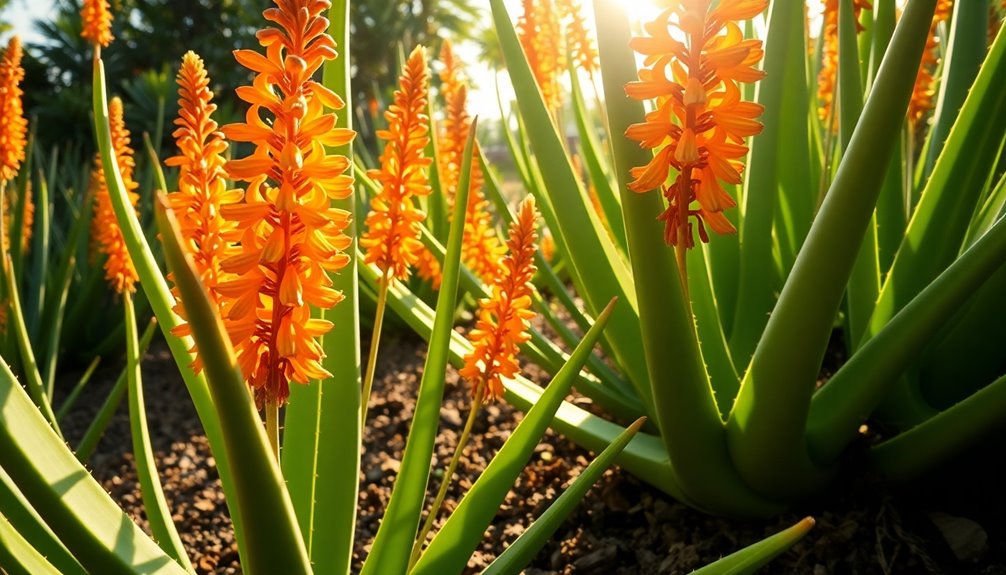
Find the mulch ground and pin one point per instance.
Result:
(951, 522)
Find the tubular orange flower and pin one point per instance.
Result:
(428, 268)
(503, 318)
(119, 270)
(392, 237)
(13, 125)
(292, 237)
(202, 187)
(97, 22)
(700, 122)
(925, 82)
(582, 47)
(540, 35)
(828, 73)
(481, 248)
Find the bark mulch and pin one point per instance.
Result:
(951, 522)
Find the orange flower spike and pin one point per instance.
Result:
(924, 91)
(581, 43)
(13, 125)
(119, 270)
(97, 22)
(503, 318)
(202, 187)
(540, 34)
(392, 237)
(699, 123)
(481, 249)
(292, 238)
(828, 73)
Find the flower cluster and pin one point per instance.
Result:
(292, 238)
(540, 34)
(202, 180)
(13, 125)
(97, 22)
(924, 90)
(828, 74)
(503, 318)
(202, 187)
(700, 121)
(119, 270)
(481, 248)
(392, 237)
(582, 48)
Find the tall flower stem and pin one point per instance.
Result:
(448, 475)
(272, 426)
(375, 341)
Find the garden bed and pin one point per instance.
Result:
(622, 527)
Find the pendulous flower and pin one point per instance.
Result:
(97, 22)
(700, 121)
(503, 318)
(292, 238)
(119, 270)
(392, 237)
(13, 125)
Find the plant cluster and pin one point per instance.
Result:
(732, 205)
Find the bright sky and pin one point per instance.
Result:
(21, 13)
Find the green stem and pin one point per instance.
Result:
(375, 341)
(156, 507)
(272, 426)
(767, 425)
(445, 484)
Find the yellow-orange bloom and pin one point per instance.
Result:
(540, 34)
(503, 318)
(700, 122)
(292, 238)
(202, 185)
(119, 270)
(428, 268)
(392, 237)
(13, 126)
(828, 74)
(481, 248)
(581, 43)
(924, 91)
(97, 22)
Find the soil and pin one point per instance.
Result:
(951, 522)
